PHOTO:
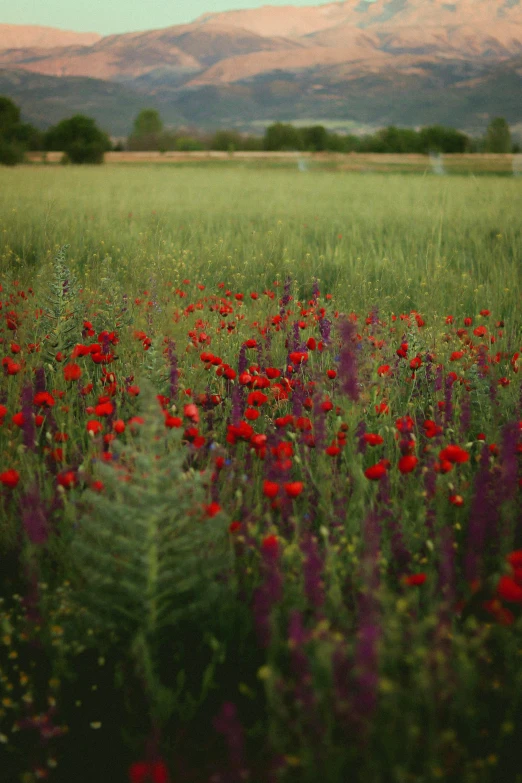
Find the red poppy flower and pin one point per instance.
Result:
(212, 509)
(270, 545)
(375, 472)
(256, 398)
(72, 372)
(515, 558)
(18, 419)
(146, 772)
(270, 489)
(372, 439)
(414, 580)
(67, 479)
(509, 590)
(104, 409)
(408, 463)
(456, 500)
(43, 399)
(332, 451)
(10, 478)
(191, 412)
(454, 454)
(298, 357)
(293, 488)
(94, 426)
(431, 430)
(234, 527)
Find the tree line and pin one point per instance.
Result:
(82, 141)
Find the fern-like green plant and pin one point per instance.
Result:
(63, 309)
(112, 308)
(145, 557)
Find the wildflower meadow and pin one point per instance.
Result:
(260, 476)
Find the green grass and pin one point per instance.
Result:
(425, 243)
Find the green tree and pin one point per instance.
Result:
(79, 138)
(9, 115)
(15, 136)
(281, 136)
(437, 138)
(147, 122)
(498, 136)
(226, 141)
(315, 138)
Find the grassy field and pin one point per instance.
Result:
(390, 241)
(260, 481)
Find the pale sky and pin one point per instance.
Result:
(121, 16)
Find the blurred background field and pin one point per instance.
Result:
(398, 242)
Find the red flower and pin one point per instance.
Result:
(509, 590)
(298, 357)
(431, 430)
(234, 527)
(119, 426)
(375, 472)
(170, 422)
(10, 478)
(332, 451)
(191, 412)
(372, 439)
(67, 479)
(456, 500)
(408, 463)
(94, 426)
(18, 419)
(270, 489)
(270, 545)
(256, 398)
(43, 399)
(293, 488)
(515, 558)
(146, 772)
(104, 409)
(72, 372)
(414, 580)
(454, 454)
(212, 509)
(444, 466)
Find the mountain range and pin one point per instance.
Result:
(354, 64)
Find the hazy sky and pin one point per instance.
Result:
(119, 16)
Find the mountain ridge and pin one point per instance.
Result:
(329, 50)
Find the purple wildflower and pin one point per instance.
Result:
(174, 372)
(347, 362)
(312, 571)
(34, 516)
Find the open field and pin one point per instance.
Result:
(260, 481)
(453, 164)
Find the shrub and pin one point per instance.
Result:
(10, 153)
(79, 138)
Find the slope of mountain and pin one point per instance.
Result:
(45, 100)
(17, 36)
(357, 60)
